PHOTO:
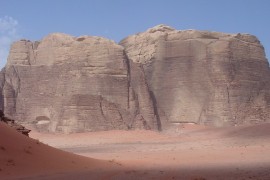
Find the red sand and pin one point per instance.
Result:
(186, 152)
(21, 156)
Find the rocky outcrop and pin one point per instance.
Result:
(69, 84)
(21, 129)
(203, 77)
(151, 80)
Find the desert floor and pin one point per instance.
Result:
(185, 152)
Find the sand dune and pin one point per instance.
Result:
(187, 152)
(21, 156)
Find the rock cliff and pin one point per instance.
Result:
(149, 80)
(203, 77)
(69, 84)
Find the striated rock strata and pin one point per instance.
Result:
(203, 77)
(69, 84)
(150, 80)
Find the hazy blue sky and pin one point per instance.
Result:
(116, 19)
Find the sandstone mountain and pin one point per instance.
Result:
(149, 80)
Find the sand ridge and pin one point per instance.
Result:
(21, 156)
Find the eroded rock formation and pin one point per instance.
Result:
(149, 80)
(14, 125)
(203, 77)
(69, 84)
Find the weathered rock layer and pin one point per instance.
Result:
(203, 77)
(150, 80)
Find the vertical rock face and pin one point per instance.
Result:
(150, 80)
(71, 85)
(203, 77)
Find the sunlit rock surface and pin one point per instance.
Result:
(149, 80)
(203, 77)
